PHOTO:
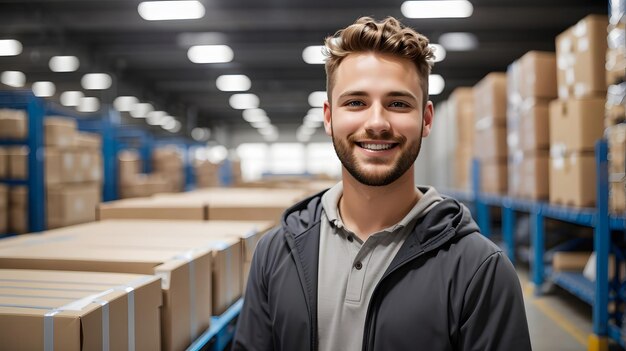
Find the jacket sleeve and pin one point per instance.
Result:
(493, 315)
(254, 327)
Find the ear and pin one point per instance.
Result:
(327, 119)
(427, 118)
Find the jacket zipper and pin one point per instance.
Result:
(368, 318)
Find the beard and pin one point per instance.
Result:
(408, 155)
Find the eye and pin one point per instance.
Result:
(399, 104)
(355, 103)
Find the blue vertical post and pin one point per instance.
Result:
(482, 210)
(36, 189)
(146, 152)
(537, 231)
(601, 242)
(508, 229)
(109, 155)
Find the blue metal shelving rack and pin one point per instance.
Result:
(221, 332)
(599, 293)
(36, 110)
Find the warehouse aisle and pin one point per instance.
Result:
(558, 321)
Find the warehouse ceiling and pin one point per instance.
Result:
(148, 59)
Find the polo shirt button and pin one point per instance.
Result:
(358, 265)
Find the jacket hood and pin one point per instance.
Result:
(447, 220)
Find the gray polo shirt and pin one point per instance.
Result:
(349, 269)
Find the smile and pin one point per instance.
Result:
(376, 147)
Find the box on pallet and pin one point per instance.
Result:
(528, 126)
(87, 309)
(4, 162)
(617, 196)
(18, 162)
(4, 208)
(572, 179)
(528, 174)
(462, 168)
(130, 166)
(18, 209)
(90, 141)
(576, 124)
(13, 124)
(581, 52)
(461, 106)
(186, 275)
(490, 98)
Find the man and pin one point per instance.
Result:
(376, 263)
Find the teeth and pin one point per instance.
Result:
(377, 146)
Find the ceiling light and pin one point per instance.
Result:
(261, 124)
(141, 110)
(439, 51)
(458, 41)
(217, 154)
(170, 10)
(210, 54)
(243, 101)
(437, 9)
(255, 115)
(233, 82)
(154, 118)
(10, 47)
(200, 134)
(14, 79)
(186, 40)
(43, 89)
(96, 81)
(176, 127)
(435, 84)
(313, 55)
(125, 103)
(313, 119)
(64, 63)
(71, 98)
(88, 104)
(317, 98)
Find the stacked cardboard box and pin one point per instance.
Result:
(18, 209)
(185, 274)
(4, 208)
(490, 127)
(73, 172)
(615, 113)
(531, 85)
(167, 161)
(236, 171)
(13, 124)
(207, 174)
(461, 109)
(79, 310)
(575, 125)
(134, 183)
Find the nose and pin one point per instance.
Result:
(377, 122)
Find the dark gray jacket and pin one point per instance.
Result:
(448, 288)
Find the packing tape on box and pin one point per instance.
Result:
(484, 123)
(188, 256)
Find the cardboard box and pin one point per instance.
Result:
(576, 125)
(616, 136)
(72, 204)
(491, 141)
(535, 175)
(617, 197)
(463, 169)
(534, 131)
(18, 220)
(570, 261)
(79, 304)
(91, 141)
(493, 177)
(18, 162)
(18, 196)
(130, 166)
(90, 165)
(581, 51)
(4, 208)
(490, 98)
(4, 163)
(538, 75)
(60, 131)
(62, 166)
(572, 179)
(13, 124)
(186, 276)
(461, 107)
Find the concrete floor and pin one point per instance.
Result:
(557, 320)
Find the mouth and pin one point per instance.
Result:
(377, 146)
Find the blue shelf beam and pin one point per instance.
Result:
(602, 242)
(221, 332)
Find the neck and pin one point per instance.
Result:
(369, 209)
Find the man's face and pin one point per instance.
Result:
(376, 120)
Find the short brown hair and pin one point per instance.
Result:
(386, 37)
